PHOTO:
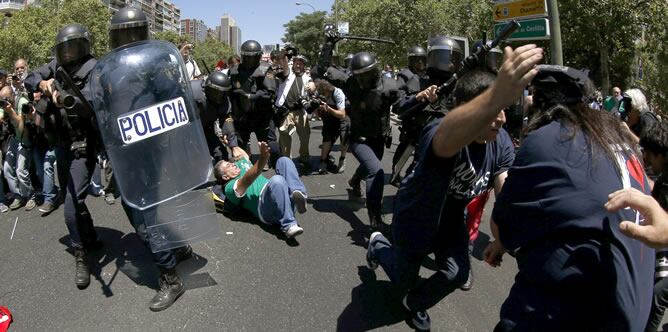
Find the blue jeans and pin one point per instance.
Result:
(276, 206)
(402, 265)
(17, 169)
(44, 165)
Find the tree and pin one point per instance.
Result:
(171, 37)
(210, 51)
(411, 23)
(31, 32)
(306, 32)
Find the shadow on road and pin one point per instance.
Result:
(135, 260)
(345, 209)
(374, 304)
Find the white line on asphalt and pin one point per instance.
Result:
(15, 221)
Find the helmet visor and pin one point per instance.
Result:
(368, 79)
(72, 51)
(444, 60)
(120, 37)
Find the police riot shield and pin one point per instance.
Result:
(151, 132)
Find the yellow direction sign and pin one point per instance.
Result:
(519, 9)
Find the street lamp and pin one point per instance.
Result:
(305, 4)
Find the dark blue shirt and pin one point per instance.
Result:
(574, 264)
(421, 199)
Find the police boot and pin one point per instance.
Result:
(81, 274)
(376, 221)
(171, 287)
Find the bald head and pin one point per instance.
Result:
(616, 91)
(7, 93)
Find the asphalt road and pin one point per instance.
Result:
(250, 278)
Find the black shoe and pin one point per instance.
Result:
(81, 271)
(371, 261)
(419, 320)
(183, 253)
(171, 288)
(376, 220)
(356, 187)
(469, 282)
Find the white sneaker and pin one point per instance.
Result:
(293, 231)
(299, 199)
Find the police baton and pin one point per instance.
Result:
(371, 39)
(205, 66)
(471, 62)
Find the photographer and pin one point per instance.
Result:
(191, 65)
(577, 271)
(290, 99)
(335, 123)
(43, 155)
(19, 153)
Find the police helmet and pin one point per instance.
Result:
(365, 70)
(347, 59)
(560, 85)
(72, 44)
(494, 58)
(128, 25)
(417, 58)
(217, 86)
(444, 57)
(251, 53)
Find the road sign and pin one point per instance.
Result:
(519, 9)
(536, 29)
(344, 28)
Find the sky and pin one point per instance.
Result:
(261, 20)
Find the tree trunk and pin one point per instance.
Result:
(605, 70)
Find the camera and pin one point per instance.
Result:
(311, 103)
(4, 102)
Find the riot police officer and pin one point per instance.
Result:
(346, 61)
(75, 131)
(212, 98)
(412, 80)
(371, 97)
(129, 25)
(253, 93)
(443, 58)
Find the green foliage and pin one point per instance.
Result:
(31, 33)
(209, 52)
(171, 37)
(306, 32)
(411, 23)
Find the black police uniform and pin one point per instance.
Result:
(77, 143)
(210, 113)
(252, 98)
(370, 127)
(411, 83)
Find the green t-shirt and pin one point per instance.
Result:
(609, 103)
(251, 199)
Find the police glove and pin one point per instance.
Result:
(242, 93)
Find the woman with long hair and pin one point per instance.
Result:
(577, 271)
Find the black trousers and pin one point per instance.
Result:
(369, 154)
